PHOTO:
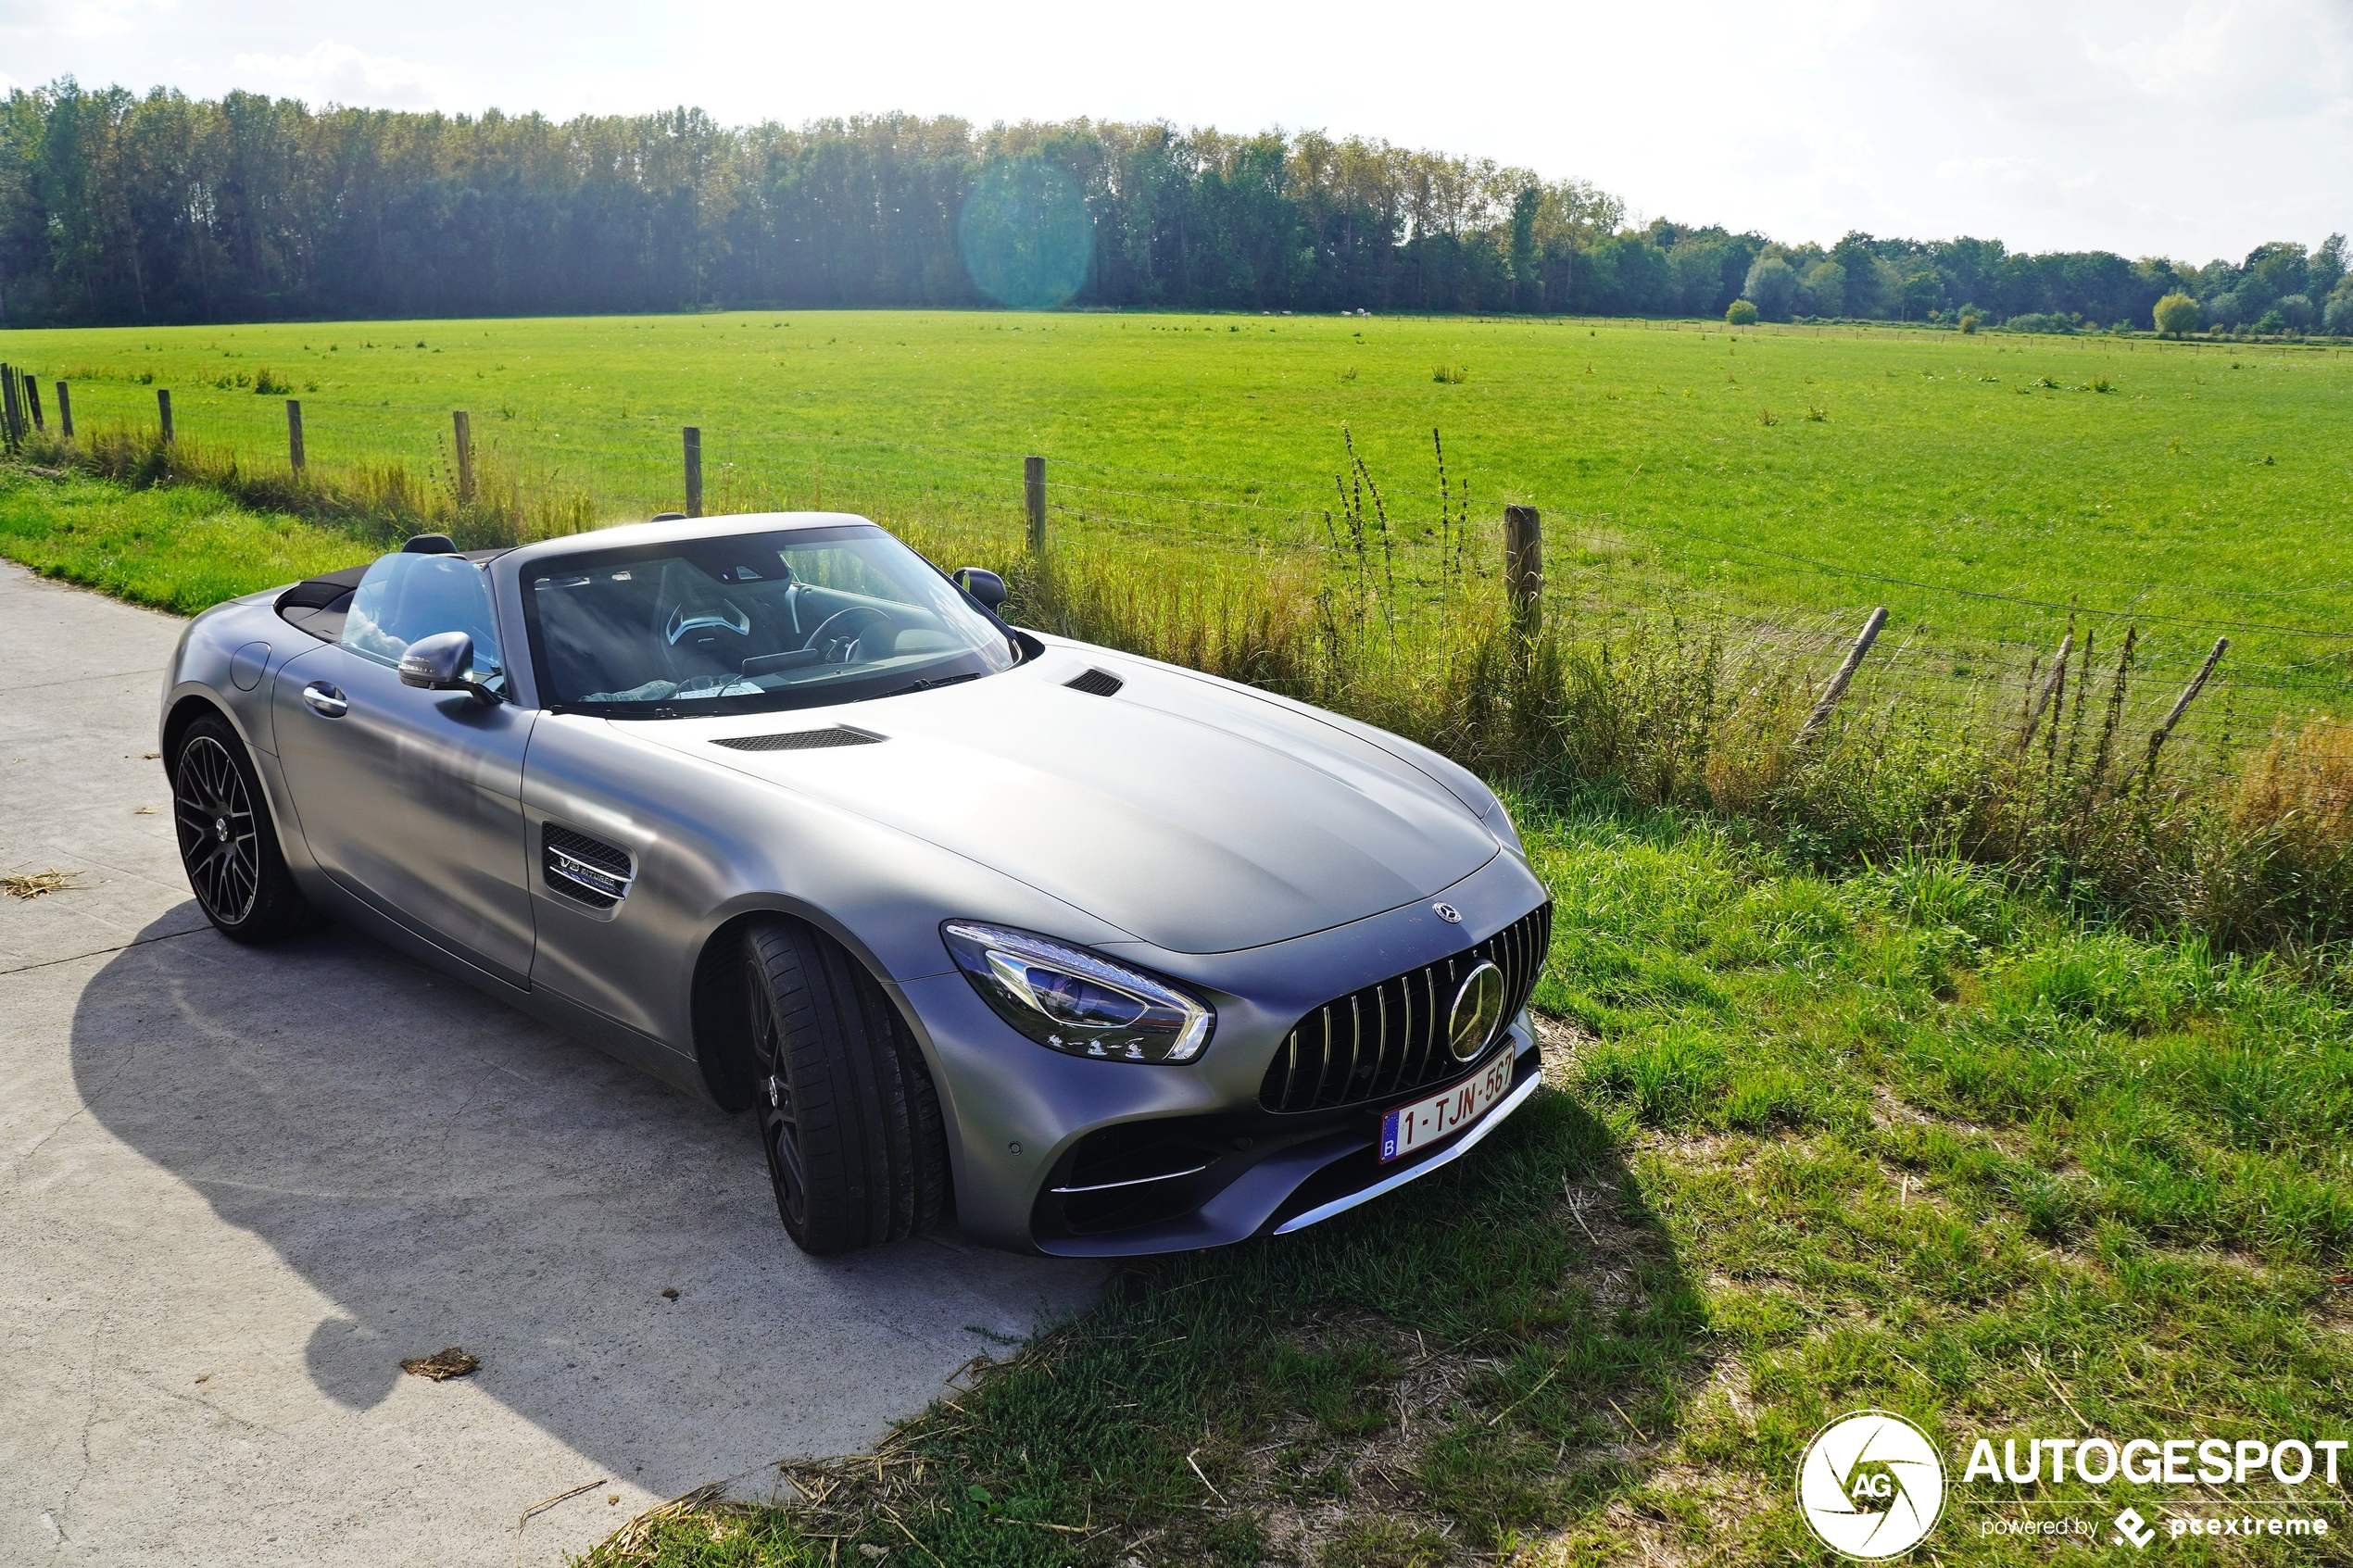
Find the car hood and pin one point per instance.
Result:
(1192, 814)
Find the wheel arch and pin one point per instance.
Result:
(185, 711)
(717, 1015)
(717, 1012)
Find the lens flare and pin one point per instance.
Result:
(1026, 237)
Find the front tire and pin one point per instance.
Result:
(228, 844)
(848, 1113)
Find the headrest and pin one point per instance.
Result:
(430, 545)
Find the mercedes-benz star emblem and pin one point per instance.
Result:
(1479, 1006)
(1448, 913)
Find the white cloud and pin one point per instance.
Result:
(338, 74)
(109, 19)
(84, 21)
(2267, 60)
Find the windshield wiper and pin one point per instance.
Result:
(923, 685)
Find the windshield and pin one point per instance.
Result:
(750, 622)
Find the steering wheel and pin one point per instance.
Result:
(838, 646)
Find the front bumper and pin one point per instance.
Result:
(1300, 1182)
(1024, 1121)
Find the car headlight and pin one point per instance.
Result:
(1070, 1000)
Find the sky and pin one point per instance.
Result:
(2185, 128)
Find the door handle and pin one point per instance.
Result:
(324, 700)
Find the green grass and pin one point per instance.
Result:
(181, 549)
(1902, 1140)
(2207, 483)
(1911, 1137)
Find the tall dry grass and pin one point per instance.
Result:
(2253, 848)
(2050, 782)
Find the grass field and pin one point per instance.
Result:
(2205, 483)
(1912, 1137)
(182, 550)
(1829, 1122)
(1903, 1141)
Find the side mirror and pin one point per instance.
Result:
(443, 662)
(985, 586)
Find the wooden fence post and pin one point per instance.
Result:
(2182, 706)
(163, 413)
(33, 401)
(1524, 568)
(293, 435)
(464, 427)
(65, 411)
(1033, 498)
(1839, 682)
(8, 425)
(693, 470)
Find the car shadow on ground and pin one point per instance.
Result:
(1546, 1341)
(444, 1170)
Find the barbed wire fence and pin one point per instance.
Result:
(1411, 548)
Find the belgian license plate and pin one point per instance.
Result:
(1411, 1128)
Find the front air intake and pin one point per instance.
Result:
(582, 868)
(798, 740)
(1097, 683)
(1390, 1039)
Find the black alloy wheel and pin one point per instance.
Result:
(227, 842)
(214, 812)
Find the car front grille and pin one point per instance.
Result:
(1390, 1039)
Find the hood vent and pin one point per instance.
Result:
(584, 868)
(1097, 683)
(800, 740)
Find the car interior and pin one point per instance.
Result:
(745, 617)
(741, 617)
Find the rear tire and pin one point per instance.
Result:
(848, 1113)
(228, 844)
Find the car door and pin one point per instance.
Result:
(411, 800)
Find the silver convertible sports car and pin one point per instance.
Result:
(1106, 956)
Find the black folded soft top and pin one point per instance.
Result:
(316, 604)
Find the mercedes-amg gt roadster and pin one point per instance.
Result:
(1102, 955)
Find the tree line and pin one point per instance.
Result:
(116, 208)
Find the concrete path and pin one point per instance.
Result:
(238, 1188)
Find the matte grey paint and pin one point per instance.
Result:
(1271, 855)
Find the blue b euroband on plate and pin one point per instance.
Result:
(1411, 1128)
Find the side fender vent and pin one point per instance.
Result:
(584, 868)
(1097, 683)
(800, 740)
